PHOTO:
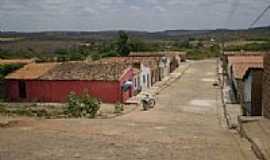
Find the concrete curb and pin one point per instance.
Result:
(227, 115)
(170, 81)
(155, 90)
(255, 146)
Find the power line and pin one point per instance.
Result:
(260, 16)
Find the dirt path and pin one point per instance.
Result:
(187, 124)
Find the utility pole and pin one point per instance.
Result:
(259, 17)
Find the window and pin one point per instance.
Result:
(22, 89)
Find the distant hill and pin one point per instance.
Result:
(254, 33)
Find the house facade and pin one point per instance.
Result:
(246, 79)
(167, 61)
(146, 67)
(252, 92)
(164, 67)
(145, 77)
(53, 82)
(266, 86)
(136, 81)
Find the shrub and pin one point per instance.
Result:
(118, 108)
(82, 106)
(8, 68)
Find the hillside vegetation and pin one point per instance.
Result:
(81, 45)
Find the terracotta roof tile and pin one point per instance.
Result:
(31, 71)
(240, 69)
(168, 53)
(85, 71)
(135, 71)
(16, 61)
(245, 59)
(152, 62)
(244, 53)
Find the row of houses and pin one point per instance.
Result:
(111, 80)
(249, 77)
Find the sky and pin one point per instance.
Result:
(146, 15)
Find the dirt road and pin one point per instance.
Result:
(187, 124)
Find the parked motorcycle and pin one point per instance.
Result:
(148, 101)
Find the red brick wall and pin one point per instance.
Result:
(12, 91)
(266, 86)
(57, 91)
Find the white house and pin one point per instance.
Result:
(164, 66)
(145, 77)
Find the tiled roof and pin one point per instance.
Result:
(85, 71)
(136, 71)
(152, 62)
(168, 53)
(240, 69)
(243, 53)
(245, 59)
(16, 61)
(31, 71)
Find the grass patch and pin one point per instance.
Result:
(48, 112)
(119, 108)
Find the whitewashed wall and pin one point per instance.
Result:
(145, 77)
(247, 92)
(164, 66)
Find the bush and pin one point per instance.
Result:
(250, 47)
(118, 108)
(8, 68)
(82, 106)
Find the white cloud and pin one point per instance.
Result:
(160, 8)
(135, 8)
(31, 15)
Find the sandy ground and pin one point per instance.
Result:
(186, 124)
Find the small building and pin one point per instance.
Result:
(52, 82)
(232, 60)
(241, 54)
(147, 67)
(7, 66)
(168, 61)
(248, 77)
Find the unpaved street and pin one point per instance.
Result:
(186, 124)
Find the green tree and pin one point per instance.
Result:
(137, 45)
(122, 44)
(82, 105)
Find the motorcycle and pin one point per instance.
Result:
(148, 101)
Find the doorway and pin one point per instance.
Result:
(22, 89)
